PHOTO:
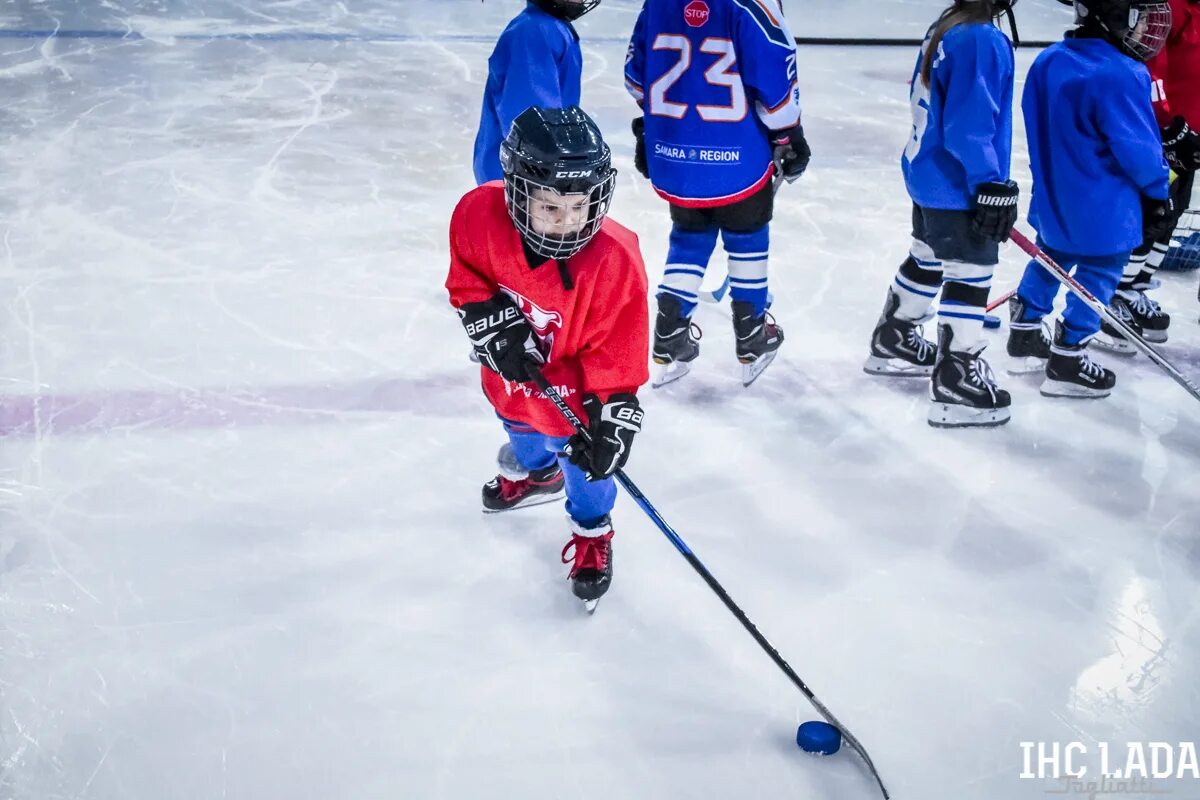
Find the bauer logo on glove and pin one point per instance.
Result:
(612, 426)
(502, 338)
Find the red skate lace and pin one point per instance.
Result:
(589, 554)
(514, 490)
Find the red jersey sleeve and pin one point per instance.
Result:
(471, 279)
(616, 357)
(1160, 68)
(1181, 48)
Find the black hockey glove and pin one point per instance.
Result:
(612, 426)
(1181, 146)
(639, 147)
(502, 338)
(791, 151)
(1158, 219)
(995, 210)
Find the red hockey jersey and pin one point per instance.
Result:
(1176, 70)
(595, 336)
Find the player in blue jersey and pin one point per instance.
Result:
(716, 81)
(1100, 182)
(536, 62)
(956, 170)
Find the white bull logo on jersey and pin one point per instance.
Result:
(544, 323)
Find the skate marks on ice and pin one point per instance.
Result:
(100, 412)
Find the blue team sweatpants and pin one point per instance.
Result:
(588, 502)
(1098, 274)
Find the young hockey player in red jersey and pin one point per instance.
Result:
(1175, 76)
(543, 280)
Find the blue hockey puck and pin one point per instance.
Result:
(991, 321)
(818, 737)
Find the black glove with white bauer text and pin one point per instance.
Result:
(995, 210)
(791, 151)
(1181, 146)
(612, 426)
(1158, 218)
(501, 337)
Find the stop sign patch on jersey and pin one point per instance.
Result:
(695, 13)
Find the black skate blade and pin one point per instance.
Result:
(751, 371)
(670, 373)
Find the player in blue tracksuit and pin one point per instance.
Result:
(956, 169)
(1100, 182)
(716, 81)
(536, 62)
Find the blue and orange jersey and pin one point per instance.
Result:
(714, 78)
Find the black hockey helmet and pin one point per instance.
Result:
(570, 10)
(558, 179)
(1139, 28)
(1004, 8)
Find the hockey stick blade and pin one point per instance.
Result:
(1001, 300)
(1065, 278)
(634, 492)
(716, 295)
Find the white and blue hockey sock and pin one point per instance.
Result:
(687, 259)
(964, 300)
(748, 266)
(917, 282)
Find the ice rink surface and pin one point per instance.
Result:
(241, 553)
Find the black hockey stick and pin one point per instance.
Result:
(1065, 279)
(538, 378)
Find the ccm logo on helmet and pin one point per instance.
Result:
(574, 173)
(695, 13)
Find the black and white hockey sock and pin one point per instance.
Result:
(964, 300)
(917, 282)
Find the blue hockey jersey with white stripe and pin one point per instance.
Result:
(536, 62)
(962, 121)
(1094, 147)
(713, 77)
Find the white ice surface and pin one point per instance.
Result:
(240, 548)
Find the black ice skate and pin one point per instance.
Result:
(676, 341)
(1070, 373)
(898, 346)
(1146, 313)
(1028, 341)
(591, 562)
(758, 340)
(963, 390)
(506, 491)
(1110, 337)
